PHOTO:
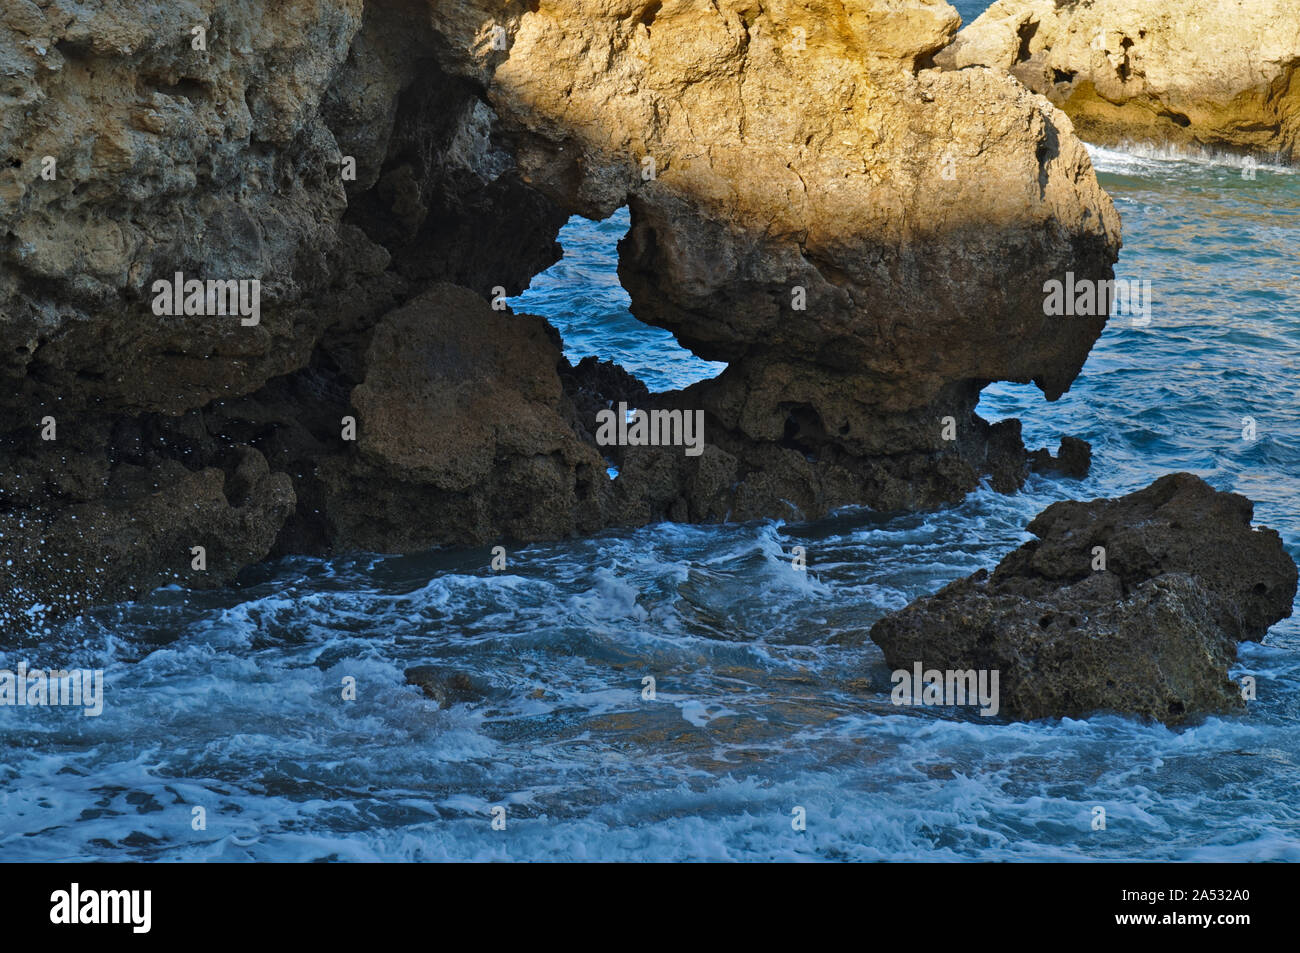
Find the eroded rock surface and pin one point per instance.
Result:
(144, 527)
(463, 434)
(1212, 73)
(1131, 605)
(863, 238)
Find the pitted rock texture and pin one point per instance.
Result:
(145, 528)
(1221, 74)
(223, 163)
(1153, 633)
(863, 238)
(462, 434)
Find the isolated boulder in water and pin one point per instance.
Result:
(1179, 524)
(1189, 72)
(1131, 605)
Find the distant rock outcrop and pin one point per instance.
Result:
(1208, 73)
(1131, 605)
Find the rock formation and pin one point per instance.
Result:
(862, 259)
(463, 434)
(1221, 74)
(1132, 605)
(447, 687)
(864, 239)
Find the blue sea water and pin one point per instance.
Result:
(232, 701)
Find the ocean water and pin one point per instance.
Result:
(768, 698)
(970, 9)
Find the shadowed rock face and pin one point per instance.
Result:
(145, 528)
(1190, 72)
(1148, 627)
(864, 239)
(463, 434)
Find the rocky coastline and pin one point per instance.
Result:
(1219, 77)
(255, 262)
(857, 234)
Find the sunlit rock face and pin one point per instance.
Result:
(865, 239)
(1212, 73)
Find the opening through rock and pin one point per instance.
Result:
(582, 297)
(1041, 422)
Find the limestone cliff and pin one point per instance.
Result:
(862, 237)
(1221, 74)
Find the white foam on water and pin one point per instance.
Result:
(1143, 158)
(769, 695)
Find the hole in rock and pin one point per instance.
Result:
(804, 430)
(1026, 34)
(196, 91)
(1042, 423)
(1123, 71)
(582, 297)
(649, 13)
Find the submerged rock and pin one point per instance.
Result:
(446, 686)
(1189, 72)
(1131, 605)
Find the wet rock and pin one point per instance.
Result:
(1167, 71)
(1073, 459)
(462, 434)
(141, 534)
(446, 686)
(1131, 605)
(595, 385)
